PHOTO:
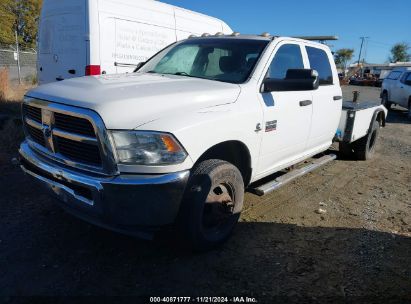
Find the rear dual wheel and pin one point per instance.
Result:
(364, 148)
(212, 204)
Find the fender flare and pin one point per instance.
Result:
(374, 118)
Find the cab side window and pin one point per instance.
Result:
(287, 57)
(319, 61)
(406, 77)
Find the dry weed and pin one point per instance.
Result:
(4, 83)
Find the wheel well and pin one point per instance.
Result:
(234, 152)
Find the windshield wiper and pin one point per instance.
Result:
(183, 74)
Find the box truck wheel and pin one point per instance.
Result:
(212, 204)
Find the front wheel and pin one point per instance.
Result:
(385, 102)
(212, 204)
(409, 109)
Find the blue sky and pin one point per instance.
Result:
(386, 22)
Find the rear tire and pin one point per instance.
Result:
(212, 204)
(346, 150)
(362, 149)
(365, 147)
(385, 101)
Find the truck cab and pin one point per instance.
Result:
(181, 139)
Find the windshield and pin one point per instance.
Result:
(221, 59)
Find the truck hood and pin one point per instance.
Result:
(127, 101)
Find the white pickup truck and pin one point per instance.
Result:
(396, 89)
(181, 139)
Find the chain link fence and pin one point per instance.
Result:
(28, 64)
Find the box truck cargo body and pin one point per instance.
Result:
(92, 37)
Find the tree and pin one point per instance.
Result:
(21, 16)
(399, 52)
(7, 21)
(342, 56)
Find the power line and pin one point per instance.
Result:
(378, 42)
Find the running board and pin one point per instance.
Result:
(290, 176)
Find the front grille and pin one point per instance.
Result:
(73, 124)
(32, 112)
(78, 130)
(77, 151)
(36, 135)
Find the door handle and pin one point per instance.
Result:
(305, 103)
(337, 97)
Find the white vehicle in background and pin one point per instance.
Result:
(396, 89)
(93, 37)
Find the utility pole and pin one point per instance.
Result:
(18, 57)
(365, 51)
(359, 56)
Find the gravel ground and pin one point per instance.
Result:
(359, 250)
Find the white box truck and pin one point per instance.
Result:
(92, 37)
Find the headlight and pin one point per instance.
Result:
(147, 148)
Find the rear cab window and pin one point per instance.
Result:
(320, 62)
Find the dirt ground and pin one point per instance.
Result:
(282, 250)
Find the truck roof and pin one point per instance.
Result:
(264, 36)
(401, 69)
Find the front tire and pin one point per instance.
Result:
(212, 204)
(385, 102)
(409, 109)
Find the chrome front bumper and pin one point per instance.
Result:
(131, 204)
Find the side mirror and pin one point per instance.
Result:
(139, 66)
(295, 80)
